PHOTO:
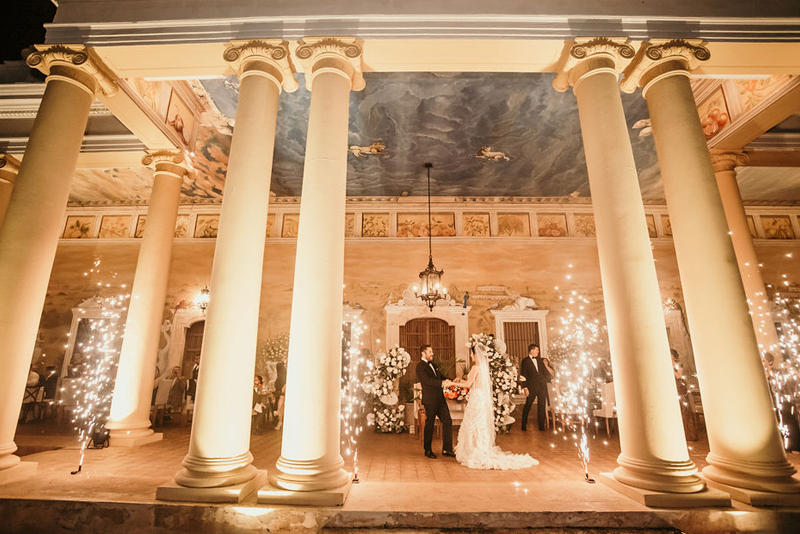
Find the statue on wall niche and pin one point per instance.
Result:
(163, 353)
(522, 303)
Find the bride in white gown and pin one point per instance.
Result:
(476, 447)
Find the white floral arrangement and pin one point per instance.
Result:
(380, 382)
(388, 420)
(504, 378)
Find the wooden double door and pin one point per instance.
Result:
(429, 331)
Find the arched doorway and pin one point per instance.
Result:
(191, 349)
(429, 331)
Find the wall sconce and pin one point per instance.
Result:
(202, 299)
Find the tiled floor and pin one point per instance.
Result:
(384, 461)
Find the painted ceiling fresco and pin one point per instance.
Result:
(445, 119)
(528, 134)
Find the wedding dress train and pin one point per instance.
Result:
(476, 446)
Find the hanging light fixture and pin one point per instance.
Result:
(202, 299)
(431, 289)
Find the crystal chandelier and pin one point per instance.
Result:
(431, 289)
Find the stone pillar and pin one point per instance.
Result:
(725, 164)
(133, 389)
(35, 218)
(653, 452)
(219, 455)
(746, 449)
(9, 167)
(310, 458)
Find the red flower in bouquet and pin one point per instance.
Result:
(456, 393)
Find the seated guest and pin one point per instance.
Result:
(259, 407)
(33, 378)
(177, 390)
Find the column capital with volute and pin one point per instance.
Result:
(9, 167)
(174, 160)
(591, 55)
(341, 55)
(661, 58)
(73, 64)
(727, 160)
(263, 57)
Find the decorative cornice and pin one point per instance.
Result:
(727, 161)
(264, 56)
(48, 57)
(669, 55)
(320, 54)
(613, 53)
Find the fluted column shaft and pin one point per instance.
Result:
(33, 223)
(133, 389)
(9, 166)
(746, 449)
(219, 448)
(653, 452)
(725, 172)
(310, 457)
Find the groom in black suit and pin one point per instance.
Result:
(535, 385)
(435, 404)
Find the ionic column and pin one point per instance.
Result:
(746, 450)
(653, 452)
(310, 458)
(725, 164)
(219, 449)
(35, 216)
(9, 167)
(133, 389)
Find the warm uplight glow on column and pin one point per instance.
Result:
(310, 458)
(725, 171)
(746, 449)
(653, 451)
(130, 410)
(219, 448)
(35, 218)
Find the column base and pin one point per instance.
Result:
(21, 470)
(235, 494)
(661, 477)
(756, 497)
(270, 494)
(766, 477)
(660, 499)
(123, 439)
(309, 475)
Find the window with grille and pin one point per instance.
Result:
(434, 332)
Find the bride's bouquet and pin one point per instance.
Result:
(456, 393)
(504, 378)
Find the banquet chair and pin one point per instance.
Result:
(608, 410)
(31, 402)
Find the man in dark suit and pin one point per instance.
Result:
(536, 377)
(435, 404)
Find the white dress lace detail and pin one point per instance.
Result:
(476, 447)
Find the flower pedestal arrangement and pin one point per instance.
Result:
(388, 416)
